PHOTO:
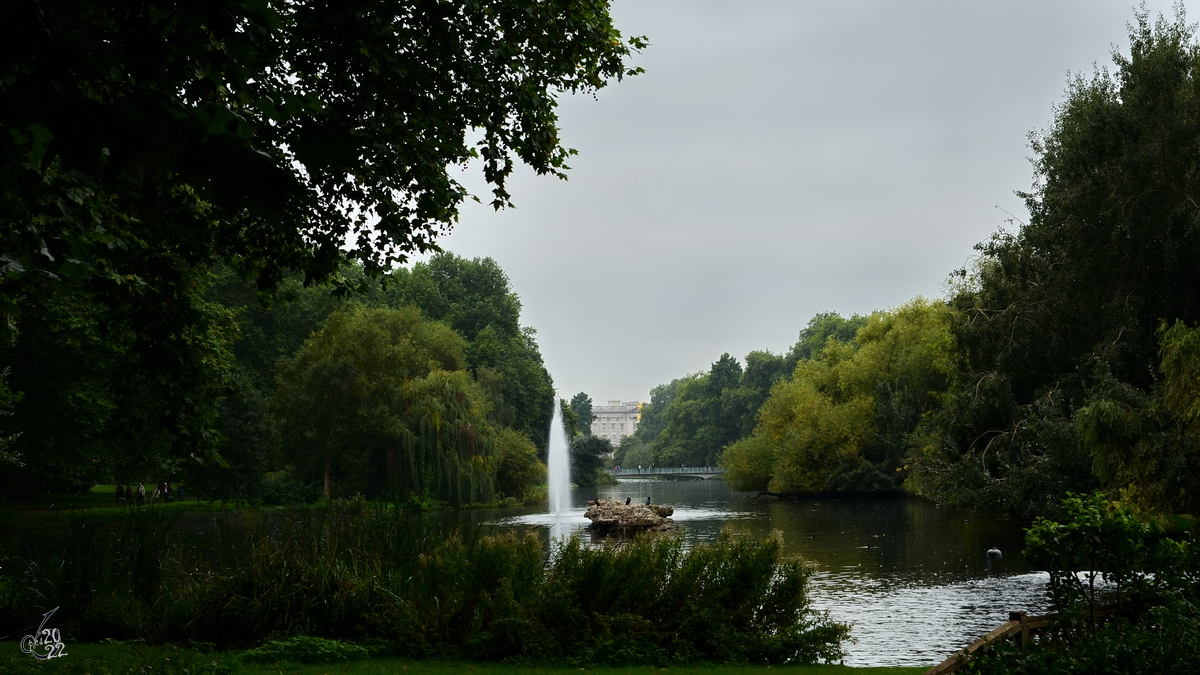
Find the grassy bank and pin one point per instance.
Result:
(106, 658)
(56, 510)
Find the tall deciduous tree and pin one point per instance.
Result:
(378, 402)
(587, 459)
(813, 338)
(475, 298)
(581, 403)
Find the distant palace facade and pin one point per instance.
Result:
(616, 420)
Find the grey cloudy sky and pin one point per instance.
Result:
(778, 159)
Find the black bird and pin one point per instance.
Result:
(627, 500)
(647, 501)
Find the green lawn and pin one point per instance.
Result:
(113, 658)
(48, 510)
(100, 496)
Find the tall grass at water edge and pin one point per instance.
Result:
(362, 572)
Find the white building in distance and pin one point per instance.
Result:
(616, 420)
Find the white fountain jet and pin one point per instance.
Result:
(559, 465)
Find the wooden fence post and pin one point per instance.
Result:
(1021, 638)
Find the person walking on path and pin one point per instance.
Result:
(120, 492)
(141, 494)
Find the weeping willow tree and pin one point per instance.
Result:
(1145, 445)
(448, 449)
(378, 402)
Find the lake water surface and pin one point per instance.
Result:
(909, 576)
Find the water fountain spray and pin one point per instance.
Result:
(559, 464)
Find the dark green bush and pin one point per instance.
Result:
(305, 649)
(361, 572)
(1153, 578)
(282, 489)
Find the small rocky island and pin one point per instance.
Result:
(610, 514)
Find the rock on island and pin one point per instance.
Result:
(610, 514)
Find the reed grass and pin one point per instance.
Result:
(362, 572)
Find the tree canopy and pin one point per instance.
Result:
(475, 298)
(269, 134)
(1058, 327)
(841, 422)
(581, 403)
(378, 403)
(148, 147)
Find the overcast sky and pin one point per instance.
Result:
(778, 159)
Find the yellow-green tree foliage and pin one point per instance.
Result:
(517, 464)
(378, 401)
(842, 420)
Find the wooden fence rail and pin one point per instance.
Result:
(1020, 630)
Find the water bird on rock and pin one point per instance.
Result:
(627, 500)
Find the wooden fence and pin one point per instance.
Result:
(1020, 630)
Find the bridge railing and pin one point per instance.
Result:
(660, 470)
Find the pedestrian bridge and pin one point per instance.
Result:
(675, 472)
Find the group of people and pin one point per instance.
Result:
(129, 495)
(617, 468)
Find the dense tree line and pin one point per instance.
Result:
(589, 453)
(425, 384)
(1073, 332)
(368, 392)
(692, 420)
(842, 421)
(1065, 359)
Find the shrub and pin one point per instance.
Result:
(305, 649)
(358, 571)
(1152, 577)
(281, 488)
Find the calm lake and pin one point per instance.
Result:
(909, 576)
